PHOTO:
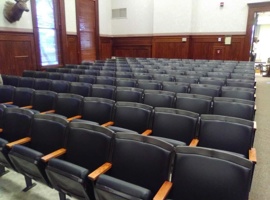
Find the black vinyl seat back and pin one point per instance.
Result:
(187, 79)
(159, 98)
(87, 79)
(126, 82)
(16, 123)
(70, 77)
(238, 92)
(175, 124)
(11, 80)
(60, 86)
(129, 94)
(213, 81)
(226, 133)
(234, 107)
(7, 93)
(23, 96)
(42, 84)
(28, 73)
(41, 74)
(103, 91)
(240, 83)
(68, 105)
(133, 116)
(44, 100)
(176, 87)
(27, 82)
(105, 80)
(150, 84)
(97, 109)
(194, 102)
(201, 173)
(47, 135)
(138, 161)
(55, 76)
(88, 147)
(83, 89)
(205, 89)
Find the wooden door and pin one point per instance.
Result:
(87, 29)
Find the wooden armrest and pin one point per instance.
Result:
(255, 108)
(54, 154)
(27, 107)
(252, 155)
(108, 124)
(21, 141)
(10, 102)
(147, 132)
(75, 117)
(101, 170)
(1, 130)
(49, 111)
(194, 143)
(163, 191)
(255, 125)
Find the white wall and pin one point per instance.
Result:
(158, 17)
(139, 17)
(24, 24)
(70, 12)
(172, 16)
(105, 23)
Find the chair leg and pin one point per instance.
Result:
(62, 196)
(29, 184)
(3, 171)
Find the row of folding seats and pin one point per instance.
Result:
(133, 79)
(85, 88)
(138, 165)
(44, 100)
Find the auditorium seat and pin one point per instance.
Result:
(47, 136)
(201, 173)
(87, 147)
(159, 98)
(83, 89)
(129, 94)
(140, 166)
(16, 125)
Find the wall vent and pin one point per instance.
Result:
(119, 13)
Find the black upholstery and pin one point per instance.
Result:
(7, 93)
(175, 124)
(83, 89)
(40, 74)
(133, 116)
(16, 124)
(150, 84)
(176, 87)
(97, 109)
(201, 174)
(129, 94)
(141, 164)
(88, 147)
(23, 96)
(126, 82)
(42, 84)
(68, 105)
(47, 135)
(103, 91)
(105, 80)
(226, 133)
(194, 102)
(234, 107)
(55, 76)
(238, 92)
(213, 81)
(159, 98)
(60, 86)
(87, 79)
(43, 100)
(26, 82)
(205, 89)
(70, 77)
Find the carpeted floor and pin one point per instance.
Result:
(12, 183)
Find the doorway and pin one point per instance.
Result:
(260, 40)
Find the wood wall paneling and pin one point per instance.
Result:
(105, 48)
(17, 53)
(132, 47)
(171, 47)
(72, 50)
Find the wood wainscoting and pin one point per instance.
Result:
(185, 47)
(17, 53)
(73, 49)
